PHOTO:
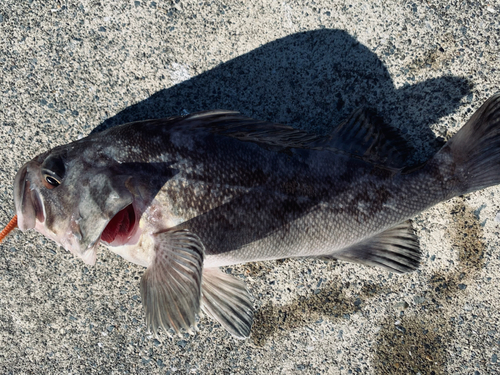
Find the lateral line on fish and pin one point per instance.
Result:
(8, 228)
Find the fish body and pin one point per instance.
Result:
(185, 195)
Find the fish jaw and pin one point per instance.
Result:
(76, 213)
(30, 210)
(115, 233)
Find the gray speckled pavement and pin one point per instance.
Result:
(69, 67)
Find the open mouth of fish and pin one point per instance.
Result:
(121, 227)
(118, 231)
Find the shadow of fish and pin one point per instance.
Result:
(185, 195)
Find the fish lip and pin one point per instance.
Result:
(27, 201)
(39, 206)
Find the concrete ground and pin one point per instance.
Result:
(70, 67)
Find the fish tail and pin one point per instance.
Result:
(472, 156)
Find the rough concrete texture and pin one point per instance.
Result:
(70, 67)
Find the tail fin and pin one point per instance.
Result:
(475, 149)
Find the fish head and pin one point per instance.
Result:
(76, 201)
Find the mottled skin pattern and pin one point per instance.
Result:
(245, 201)
(185, 195)
(330, 204)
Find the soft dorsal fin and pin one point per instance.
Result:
(365, 135)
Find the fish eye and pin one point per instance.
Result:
(53, 171)
(55, 165)
(50, 182)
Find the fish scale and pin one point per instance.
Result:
(185, 195)
(349, 224)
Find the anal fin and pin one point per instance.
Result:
(226, 299)
(396, 250)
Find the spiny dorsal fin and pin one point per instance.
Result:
(396, 250)
(364, 135)
(233, 124)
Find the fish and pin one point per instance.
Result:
(186, 195)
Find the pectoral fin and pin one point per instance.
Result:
(226, 299)
(395, 249)
(171, 286)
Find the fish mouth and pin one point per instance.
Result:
(121, 228)
(27, 201)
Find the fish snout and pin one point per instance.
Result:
(27, 201)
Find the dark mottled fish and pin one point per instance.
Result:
(185, 195)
